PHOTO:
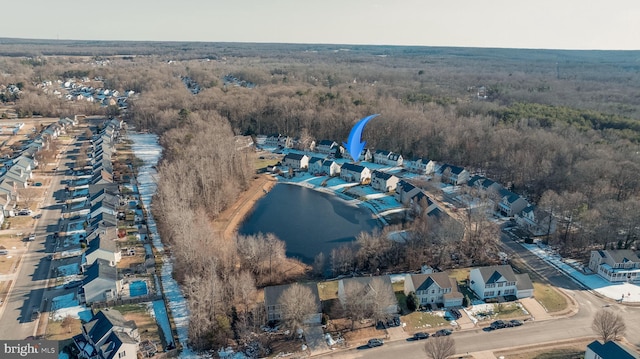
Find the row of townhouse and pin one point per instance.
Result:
(506, 202)
(94, 199)
(102, 282)
(17, 173)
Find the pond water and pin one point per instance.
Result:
(308, 221)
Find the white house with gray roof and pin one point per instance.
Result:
(330, 168)
(387, 158)
(101, 283)
(422, 166)
(296, 161)
(351, 172)
(497, 281)
(108, 336)
(383, 182)
(621, 265)
(102, 248)
(434, 289)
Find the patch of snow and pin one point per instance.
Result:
(73, 312)
(615, 291)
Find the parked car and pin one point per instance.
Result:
(372, 343)
(515, 323)
(35, 313)
(442, 333)
(24, 212)
(32, 237)
(499, 324)
(420, 336)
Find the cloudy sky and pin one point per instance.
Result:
(550, 24)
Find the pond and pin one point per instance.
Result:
(308, 221)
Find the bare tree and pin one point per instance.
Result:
(440, 347)
(608, 325)
(297, 303)
(372, 300)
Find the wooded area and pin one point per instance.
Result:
(559, 127)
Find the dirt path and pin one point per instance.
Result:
(229, 220)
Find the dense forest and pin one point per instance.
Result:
(559, 127)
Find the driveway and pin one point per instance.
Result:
(314, 336)
(535, 309)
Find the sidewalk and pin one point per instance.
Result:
(487, 354)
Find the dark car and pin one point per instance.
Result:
(515, 323)
(372, 343)
(420, 336)
(442, 333)
(499, 324)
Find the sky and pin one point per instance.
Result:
(539, 24)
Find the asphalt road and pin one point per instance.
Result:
(576, 326)
(31, 278)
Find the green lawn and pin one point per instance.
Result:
(418, 321)
(549, 297)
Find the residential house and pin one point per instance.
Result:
(422, 166)
(331, 168)
(436, 289)
(383, 182)
(351, 172)
(621, 265)
(484, 185)
(101, 207)
(366, 289)
(422, 205)
(537, 222)
(108, 336)
(101, 283)
(497, 281)
(387, 158)
(105, 194)
(273, 307)
(101, 177)
(510, 203)
(272, 140)
(26, 165)
(296, 161)
(104, 248)
(405, 191)
(326, 146)
(104, 218)
(609, 350)
(19, 178)
(365, 155)
(9, 188)
(315, 165)
(453, 174)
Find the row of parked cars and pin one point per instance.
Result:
(439, 333)
(500, 324)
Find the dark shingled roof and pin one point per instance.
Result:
(380, 174)
(293, 156)
(493, 273)
(100, 269)
(611, 350)
(272, 294)
(352, 167)
(424, 281)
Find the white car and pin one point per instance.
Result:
(32, 237)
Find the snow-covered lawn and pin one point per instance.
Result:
(615, 291)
